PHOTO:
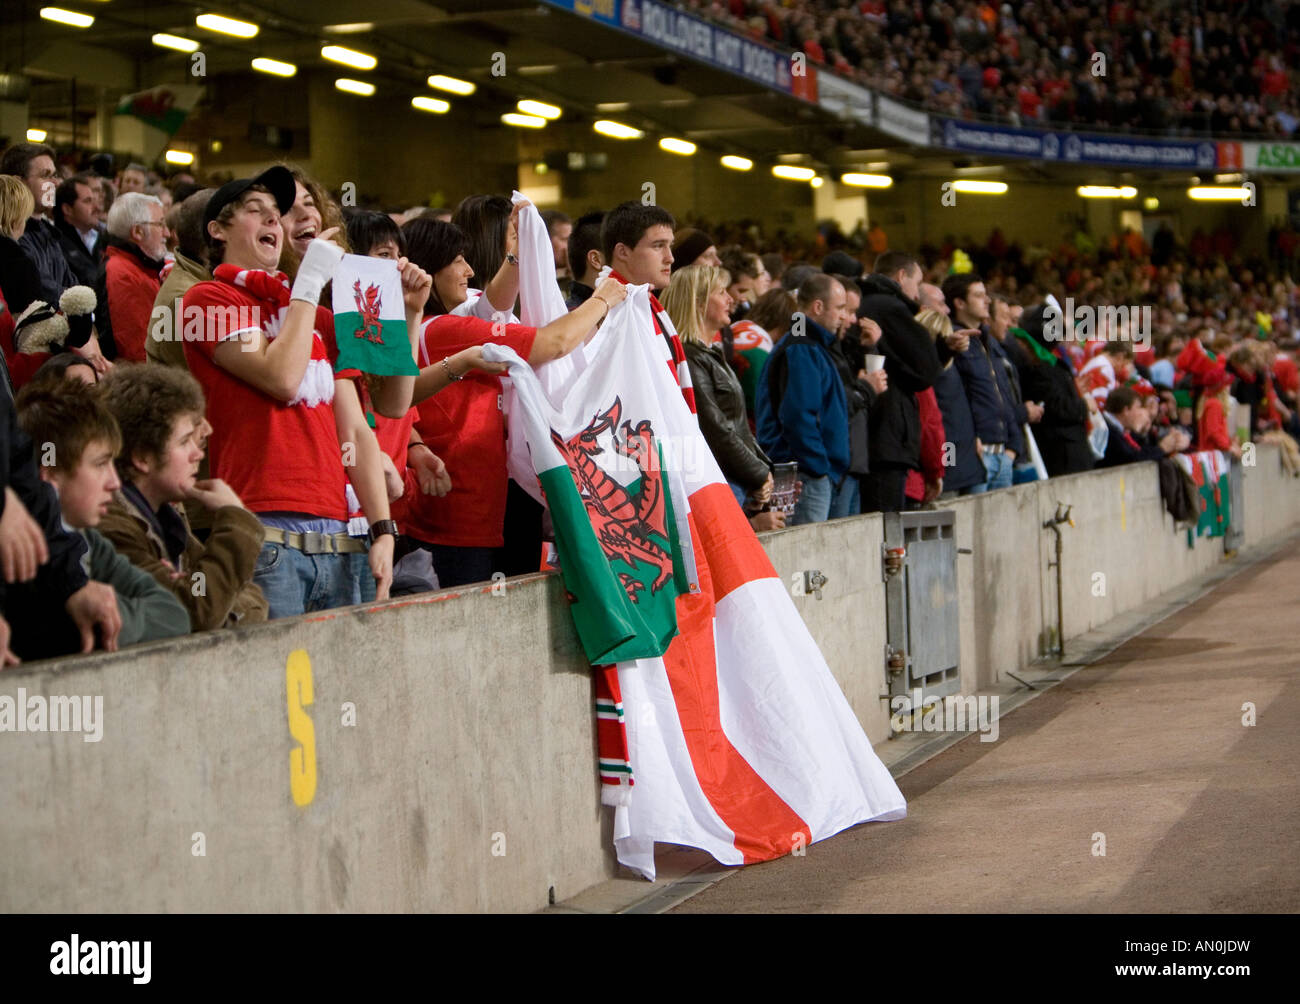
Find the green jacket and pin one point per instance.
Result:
(148, 611)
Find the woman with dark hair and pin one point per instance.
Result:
(1048, 378)
(464, 424)
(485, 220)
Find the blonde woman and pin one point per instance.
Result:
(698, 304)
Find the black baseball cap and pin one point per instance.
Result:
(278, 180)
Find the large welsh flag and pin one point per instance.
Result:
(739, 739)
(370, 318)
(1209, 472)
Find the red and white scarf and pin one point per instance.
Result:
(273, 290)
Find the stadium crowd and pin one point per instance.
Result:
(182, 452)
(1218, 67)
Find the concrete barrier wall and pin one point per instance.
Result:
(453, 736)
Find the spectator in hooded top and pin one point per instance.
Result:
(889, 298)
(130, 274)
(85, 439)
(159, 410)
(802, 408)
(48, 604)
(77, 216)
(585, 258)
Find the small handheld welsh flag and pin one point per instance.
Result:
(370, 318)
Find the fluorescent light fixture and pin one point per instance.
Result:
(181, 157)
(1227, 179)
(349, 57)
(612, 106)
(175, 42)
(616, 130)
(673, 145)
(817, 182)
(226, 25)
(1150, 203)
(792, 173)
(737, 163)
(426, 104)
(523, 121)
(1213, 193)
(355, 28)
(1107, 192)
(68, 17)
(973, 187)
(455, 86)
(355, 86)
(273, 66)
(36, 135)
(866, 180)
(540, 109)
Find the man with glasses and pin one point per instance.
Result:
(129, 276)
(34, 164)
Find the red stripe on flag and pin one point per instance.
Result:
(765, 827)
(735, 555)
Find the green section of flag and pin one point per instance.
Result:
(1215, 507)
(754, 359)
(611, 625)
(389, 355)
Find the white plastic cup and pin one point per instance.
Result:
(874, 363)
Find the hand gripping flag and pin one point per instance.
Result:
(741, 741)
(1208, 470)
(370, 318)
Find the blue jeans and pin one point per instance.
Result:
(847, 501)
(814, 505)
(997, 468)
(297, 583)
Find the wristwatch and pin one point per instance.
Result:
(381, 527)
(511, 258)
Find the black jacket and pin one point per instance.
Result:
(861, 395)
(959, 430)
(84, 264)
(1062, 434)
(19, 280)
(912, 363)
(35, 610)
(720, 405)
(1123, 447)
(41, 243)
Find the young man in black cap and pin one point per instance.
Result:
(289, 433)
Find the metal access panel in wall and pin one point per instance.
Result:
(921, 613)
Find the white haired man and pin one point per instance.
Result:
(129, 277)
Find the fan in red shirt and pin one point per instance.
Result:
(283, 422)
(465, 424)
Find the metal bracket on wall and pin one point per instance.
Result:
(813, 581)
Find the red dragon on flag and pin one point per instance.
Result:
(628, 525)
(369, 306)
